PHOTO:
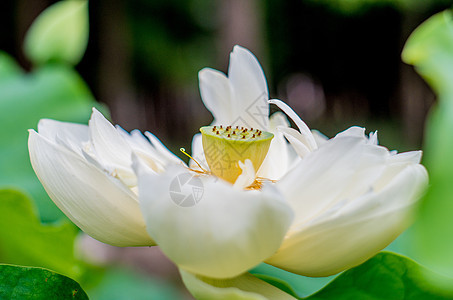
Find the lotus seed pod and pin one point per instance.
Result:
(224, 147)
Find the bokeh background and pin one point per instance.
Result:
(337, 63)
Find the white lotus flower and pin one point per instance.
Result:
(86, 170)
(314, 206)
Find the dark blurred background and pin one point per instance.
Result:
(337, 63)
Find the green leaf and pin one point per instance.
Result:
(54, 91)
(35, 283)
(25, 241)
(385, 276)
(278, 283)
(60, 33)
(430, 50)
(300, 285)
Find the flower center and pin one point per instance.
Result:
(224, 147)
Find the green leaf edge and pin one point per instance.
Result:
(78, 293)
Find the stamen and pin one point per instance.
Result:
(258, 183)
(217, 132)
(187, 154)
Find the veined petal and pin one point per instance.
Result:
(250, 93)
(243, 287)
(110, 147)
(97, 203)
(346, 237)
(70, 135)
(223, 234)
(216, 92)
(342, 169)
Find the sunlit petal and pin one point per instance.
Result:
(223, 234)
(250, 93)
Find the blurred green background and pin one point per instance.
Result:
(337, 63)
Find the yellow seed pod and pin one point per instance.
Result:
(224, 147)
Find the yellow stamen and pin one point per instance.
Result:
(187, 154)
(258, 183)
